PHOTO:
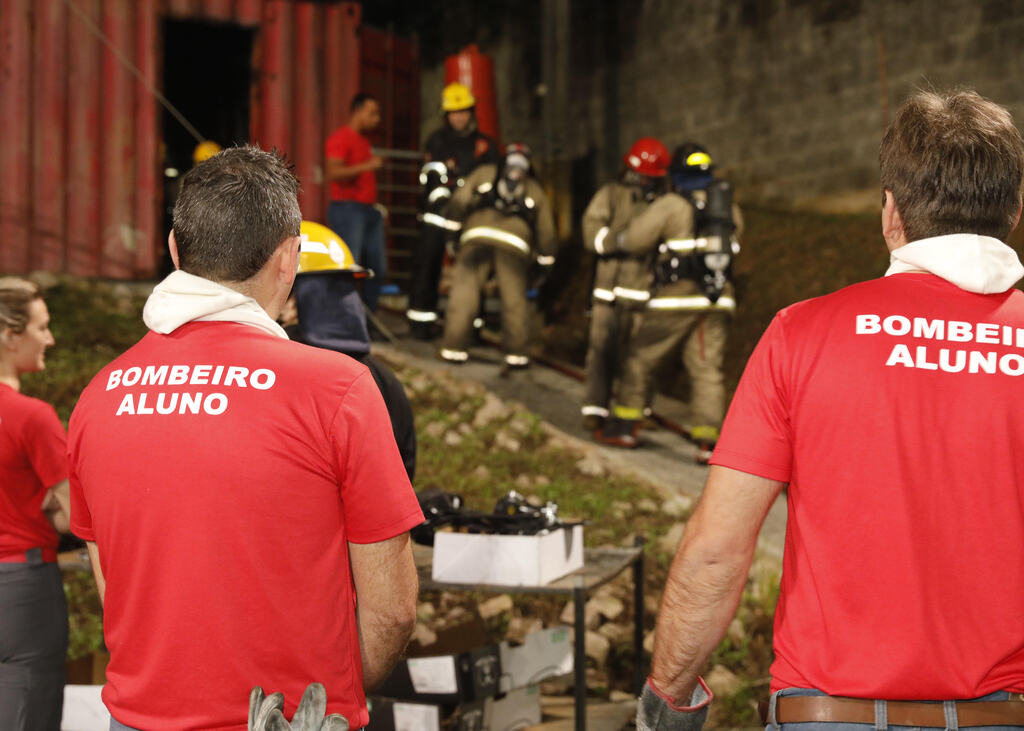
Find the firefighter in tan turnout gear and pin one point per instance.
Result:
(620, 281)
(693, 233)
(507, 227)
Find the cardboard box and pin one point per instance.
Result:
(514, 711)
(479, 558)
(543, 655)
(445, 679)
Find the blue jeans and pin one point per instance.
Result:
(361, 227)
(879, 725)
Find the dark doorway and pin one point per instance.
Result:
(207, 77)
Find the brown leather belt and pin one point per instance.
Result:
(828, 709)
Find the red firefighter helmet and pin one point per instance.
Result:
(648, 156)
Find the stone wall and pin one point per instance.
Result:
(790, 96)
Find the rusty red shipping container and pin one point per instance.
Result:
(81, 165)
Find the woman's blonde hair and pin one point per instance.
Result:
(16, 294)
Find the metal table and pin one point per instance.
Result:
(600, 565)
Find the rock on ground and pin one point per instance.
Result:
(493, 408)
(493, 607)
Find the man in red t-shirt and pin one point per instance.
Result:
(243, 499)
(353, 215)
(894, 411)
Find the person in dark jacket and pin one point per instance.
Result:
(452, 153)
(331, 315)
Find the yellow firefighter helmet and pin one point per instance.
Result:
(204, 151)
(457, 97)
(322, 250)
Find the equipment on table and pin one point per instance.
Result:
(512, 515)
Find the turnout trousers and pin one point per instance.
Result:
(612, 325)
(427, 259)
(472, 269)
(701, 336)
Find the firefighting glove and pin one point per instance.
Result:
(655, 712)
(265, 714)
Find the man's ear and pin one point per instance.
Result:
(172, 245)
(1016, 220)
(892, 222)
(288, 263)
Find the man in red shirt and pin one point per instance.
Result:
(242, 496)
(351, 170)
(894, 410)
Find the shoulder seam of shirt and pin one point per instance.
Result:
(341, 400)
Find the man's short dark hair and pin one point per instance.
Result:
(954, 163)
(360, 99)
(233, 211)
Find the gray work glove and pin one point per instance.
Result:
(653, 712)
(266, 712)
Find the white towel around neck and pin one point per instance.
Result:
(976, 263)
(184, 297)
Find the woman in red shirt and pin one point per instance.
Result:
(34, 505)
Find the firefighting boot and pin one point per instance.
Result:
(619, 432)
(705, 437)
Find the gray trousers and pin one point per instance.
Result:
(33, 646)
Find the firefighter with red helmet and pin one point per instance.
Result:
(453, 152)
(507, 227)
(620, 290)
(692, 234)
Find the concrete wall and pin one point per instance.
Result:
(790, 96)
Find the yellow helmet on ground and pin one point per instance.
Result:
(322, 250)
(204, 151)
(457, 97)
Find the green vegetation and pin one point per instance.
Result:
(85, 613)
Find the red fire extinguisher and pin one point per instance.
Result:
(475, 70)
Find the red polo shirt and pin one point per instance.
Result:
(32, 460)
(352, 148)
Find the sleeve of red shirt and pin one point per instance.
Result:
(757, 434)
(339, 146)
(377, 499)
(81, 518)
(46, 445)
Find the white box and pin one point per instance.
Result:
(518, 710)
(545, 654)
(83, 709)
(481, 558)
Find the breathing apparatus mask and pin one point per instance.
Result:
(648, 187)
(511, 185)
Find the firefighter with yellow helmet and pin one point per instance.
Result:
(204, 151)
(452, 153)
(331, 315)
(507, 227)
(693, 235)
(620, 290)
